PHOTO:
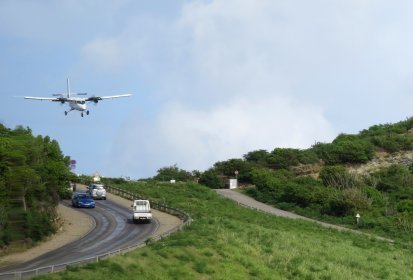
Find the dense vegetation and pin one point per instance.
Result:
(316, 182)
(33, 175)
(226, 241)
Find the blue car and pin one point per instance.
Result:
(83, 200)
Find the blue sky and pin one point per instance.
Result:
(212, 80)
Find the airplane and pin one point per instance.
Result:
(75, 103)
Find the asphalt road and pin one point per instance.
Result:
(113, 230)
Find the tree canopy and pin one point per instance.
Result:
(33, 175)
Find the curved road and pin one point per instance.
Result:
(249, 202)
(113, 230)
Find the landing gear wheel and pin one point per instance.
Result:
(65, 113)
(87, 112)
(81, 114)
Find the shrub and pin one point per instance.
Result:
(345, 149)
(281, 158)
(405, 206)
(211, 179)
(172, 173)
(337, 177)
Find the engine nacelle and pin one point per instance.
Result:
(96, 101)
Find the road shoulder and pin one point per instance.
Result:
(76, 224)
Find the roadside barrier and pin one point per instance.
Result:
(127, 195)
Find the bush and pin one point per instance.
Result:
(228, 168)
(405, 206)
(281, 158)
(337, 177)
(346, 203)
(211, 179)
(337, 206)
(345, 149)
(173, 173)
(394, 143)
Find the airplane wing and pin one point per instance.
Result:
(44, 98)
(97, 98)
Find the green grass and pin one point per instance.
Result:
(226, 241)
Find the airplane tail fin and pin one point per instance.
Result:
(68, 88)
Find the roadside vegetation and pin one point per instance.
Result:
(320, 182)
(34, 174)
(226, 241)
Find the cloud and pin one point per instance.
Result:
(195, 139)
(105, 48)
(230, 77)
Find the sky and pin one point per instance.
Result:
(211, 80)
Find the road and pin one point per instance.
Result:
(249, 202)
(113, 230)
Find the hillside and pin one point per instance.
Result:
(383, 160)
(33, 175)
(226, 241)
(369, 173)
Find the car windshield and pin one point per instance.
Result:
(84, 196)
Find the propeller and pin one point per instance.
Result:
(94, 100)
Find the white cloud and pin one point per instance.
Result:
(105, 54)
(235, 76)
(195, 139)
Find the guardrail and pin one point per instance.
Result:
(159, 206)
(122, 193)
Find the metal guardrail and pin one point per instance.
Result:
(159, 206)
(122, 193)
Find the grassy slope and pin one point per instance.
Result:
(226, 241)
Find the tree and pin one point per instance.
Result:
(345, 149)
(229, 167)
(172, 173)
(258, 156)
(211, 179)
(281, 158)
(33, 171)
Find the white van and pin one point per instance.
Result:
(141, 211)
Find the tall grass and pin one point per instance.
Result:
(226, 241)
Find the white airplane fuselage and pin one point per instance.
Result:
(79, 105)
